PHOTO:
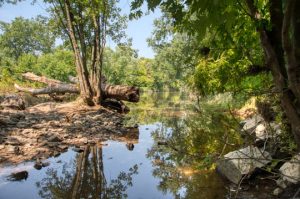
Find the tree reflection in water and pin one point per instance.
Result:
(84, 177)
(184, 163)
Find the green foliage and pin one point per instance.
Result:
(59, 65)
(122, 66)
(25, 36)
(222, 27)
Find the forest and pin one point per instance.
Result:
(218, 103)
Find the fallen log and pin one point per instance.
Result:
(118, 92)
(58, 89)
(42, 79)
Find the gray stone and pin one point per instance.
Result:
(277, 191)
(291, 170)
(251, 123)
(266, 131)
(242, 162)
(261, 132)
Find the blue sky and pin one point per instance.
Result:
(139, 30)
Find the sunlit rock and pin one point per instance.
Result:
(267, 131)
(261, 132)
(250, 124)
(238, 163)
(291, 170)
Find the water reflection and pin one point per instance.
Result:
(170, 156)
(187, 143)
(84, 178)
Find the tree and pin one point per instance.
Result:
(25, 36)
(276, 23)
(87, 24)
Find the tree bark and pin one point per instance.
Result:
(82, 71)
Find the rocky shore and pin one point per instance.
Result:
(262, 158)
(48, 129)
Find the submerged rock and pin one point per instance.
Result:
(291, 170)
(242, 162)
(18, 176)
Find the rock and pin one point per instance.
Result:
(78, 150)
(281, 183)
(45, 164)
(291, 170)
(250, 124)
(12, 149)
(13, 102)
(63, 147)
(38, 165)
(17, 117)
(13, 141)
(136, 126)
(238, 163)
(277, 191)
(130, 146)
(272, 131)
(261, 132)
(54, 138)
(56, 154)
(22, 124)
(22, 175)
(276, 128)
(52, 144)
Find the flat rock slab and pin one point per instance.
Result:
(291, 170)
(242, 162)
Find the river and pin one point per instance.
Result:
(171, 156)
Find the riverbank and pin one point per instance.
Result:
(48, 129)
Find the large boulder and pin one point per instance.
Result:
(291, 170)
(13, 102)
(242, 162)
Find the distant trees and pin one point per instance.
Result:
(25, 36)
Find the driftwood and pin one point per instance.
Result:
(118, 92)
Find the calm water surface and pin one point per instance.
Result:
(169, 158)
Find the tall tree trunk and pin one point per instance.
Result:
(279, 55)
(85, 87)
